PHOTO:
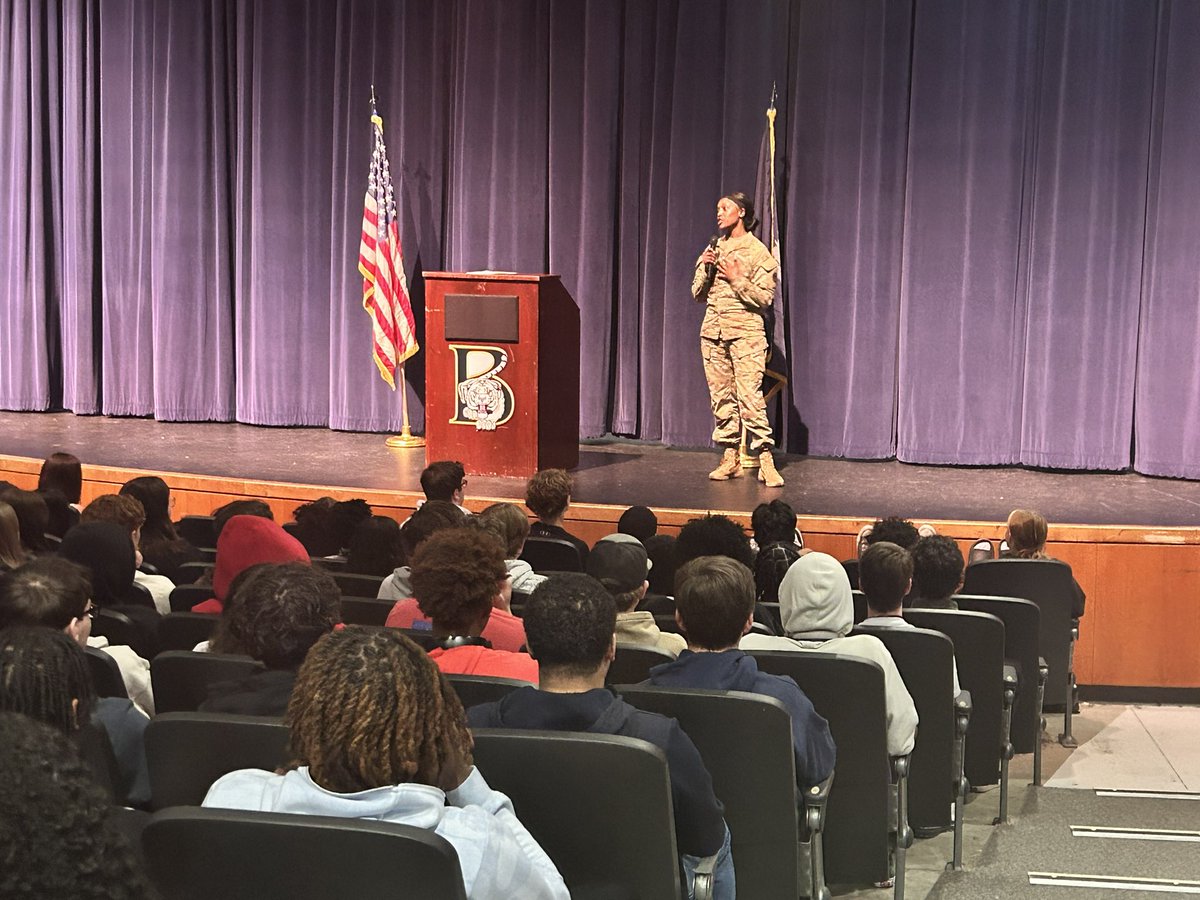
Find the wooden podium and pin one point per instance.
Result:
(501, 372)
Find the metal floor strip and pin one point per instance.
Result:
(1135, 834)
(1152, 795)
(1115, 882)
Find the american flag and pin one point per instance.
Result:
(385, 290)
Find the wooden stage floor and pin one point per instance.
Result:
(1133, 541)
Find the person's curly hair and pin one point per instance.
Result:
(937, 567)
(569, 622)
(713, 536)
(280, 611)
(548, 493)
(371, 709)
(455, 575)
(375, 547)
(222, 514)
(894, 530)
(773, 523)
(45, 675)
(56, 836)
(508, 524)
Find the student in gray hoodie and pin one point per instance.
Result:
(818, 614)
(714, 606)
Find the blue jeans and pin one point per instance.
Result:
(724, 883)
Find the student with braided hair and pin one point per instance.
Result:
(44, 674)
(379, 734)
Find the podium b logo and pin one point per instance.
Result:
(482, 398)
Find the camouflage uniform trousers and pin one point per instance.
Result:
(734, 371)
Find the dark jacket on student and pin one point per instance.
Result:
(699, 815)
(733, 670)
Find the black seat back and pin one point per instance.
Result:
(357, 585)
(925, 660)
(979, 652)
(851, 567)
(184, 630)
(180, 678)
(1048, 583)
(547, 554)
(746, 743)
(191, 572)
(1022, 627)
(473, 690)
(860, 605)
(633, 663)
(187, 751)
(130, 626)
(365, 611)
(106, 674)
(562, 787)
(848, 693)
(239, 855)
(199, 531)
(185, 596)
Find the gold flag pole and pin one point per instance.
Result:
(405, 439)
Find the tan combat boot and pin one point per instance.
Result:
(767, 473)
(730, 467)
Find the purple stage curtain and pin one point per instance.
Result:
(987, 209)
(1167, 398)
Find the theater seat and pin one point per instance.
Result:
(546, 554)
(180, 678)
(237, 855)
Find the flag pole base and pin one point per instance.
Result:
(748, 461)
(405, 440)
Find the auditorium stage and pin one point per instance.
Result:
(1133, 541)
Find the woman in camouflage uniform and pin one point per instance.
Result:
(736, 278)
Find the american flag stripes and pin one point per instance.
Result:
(381, 262)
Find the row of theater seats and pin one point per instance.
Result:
(998, 643)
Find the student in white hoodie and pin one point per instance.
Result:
(379, 734)
(818, 613)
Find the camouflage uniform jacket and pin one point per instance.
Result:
(735, 308)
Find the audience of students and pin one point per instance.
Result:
(377, 733)
(570, 621)
(44, 674)
(714, 600)
(818, 614)
(458, 579)
(511, 527)
(280, 611)
(619, 562)
(57, 837)
(548, 496)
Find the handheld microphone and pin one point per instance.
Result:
(711, 268)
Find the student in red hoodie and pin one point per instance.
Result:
(246, 541)
(455, 575)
